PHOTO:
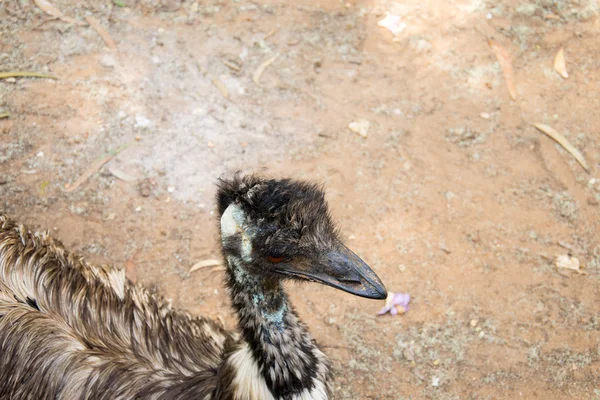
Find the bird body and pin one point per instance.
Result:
(73, 330)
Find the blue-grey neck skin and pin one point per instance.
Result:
(265, 298)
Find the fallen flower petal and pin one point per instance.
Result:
(396, 303)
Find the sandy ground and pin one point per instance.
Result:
(452, 196)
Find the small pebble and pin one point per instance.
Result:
(146, 187)
(408, 354)
(171, 189)
(360, 126)
(138, 209)
(108, 61)
(40, 154)
(142, 122)
(485, 115)
(473, 323)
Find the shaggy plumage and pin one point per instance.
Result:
(73, 330)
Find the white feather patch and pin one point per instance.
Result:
(116, 278)
(248, 382)
(231, 220)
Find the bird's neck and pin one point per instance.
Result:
(277, 344)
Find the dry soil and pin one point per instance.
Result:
(452, 196)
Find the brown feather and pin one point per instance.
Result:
(87, 332)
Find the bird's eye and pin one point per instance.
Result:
(274, 259)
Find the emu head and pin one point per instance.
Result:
(282, 229)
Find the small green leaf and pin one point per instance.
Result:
(43, 187)
(119, 3)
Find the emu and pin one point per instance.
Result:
(73, 330)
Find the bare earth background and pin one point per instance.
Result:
(452, 197)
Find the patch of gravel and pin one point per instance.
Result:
(564, 206)
(465, 137)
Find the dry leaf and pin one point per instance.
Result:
(560, 65)
(49, 9)
(205, 264)
(393, 24)
(20, 74)
(568, 262)
(88, 172)
(102, 32)
(234, 65)
(560, 139)
(271, 33)
(261, 69)
(505, 61)
(125, 177)
(220, 85)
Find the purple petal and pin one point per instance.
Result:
(394, 302)
(384, 310)
(401, 299)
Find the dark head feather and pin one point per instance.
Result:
(289, 216)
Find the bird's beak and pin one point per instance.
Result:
(339, 268)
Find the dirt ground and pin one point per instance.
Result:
(453, 196)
